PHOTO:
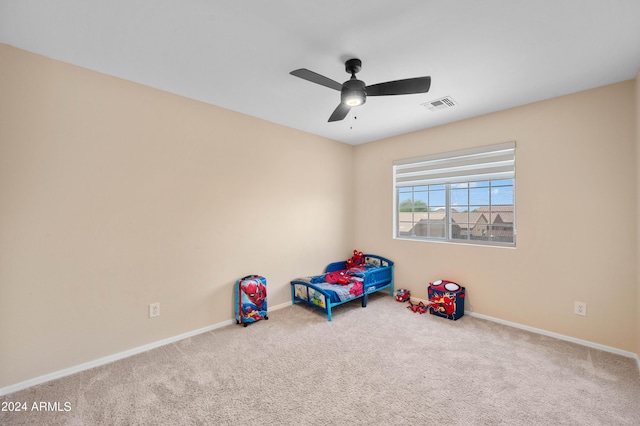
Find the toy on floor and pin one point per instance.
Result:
(446, 299)
(402, 295)
(420, 307)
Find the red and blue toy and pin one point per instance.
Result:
(402, 295)
(356, 260)
(446, 299)
(420, 307)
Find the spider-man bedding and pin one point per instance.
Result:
(343, 282)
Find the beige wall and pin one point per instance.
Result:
(114, 196)
(576, 216)
(637, 116)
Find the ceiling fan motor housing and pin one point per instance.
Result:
(353, 92)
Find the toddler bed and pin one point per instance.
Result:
(343, 282)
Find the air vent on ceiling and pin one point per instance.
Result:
(442, 103)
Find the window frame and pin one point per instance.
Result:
(445, 180)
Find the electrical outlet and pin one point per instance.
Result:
(580, 308)
(154, 310)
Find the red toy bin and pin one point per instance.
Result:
(402, 295)
(446, 299)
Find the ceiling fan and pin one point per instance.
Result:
(354, 92)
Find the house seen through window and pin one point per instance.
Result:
(464, 196)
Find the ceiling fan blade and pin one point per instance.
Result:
(400, 87)
(340, 112)
(316, 78)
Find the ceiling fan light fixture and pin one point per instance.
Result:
(354, 101)
(353, 93)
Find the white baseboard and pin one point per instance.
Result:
(550, 334)
(115, 357)
(556, 335)
(280, 306)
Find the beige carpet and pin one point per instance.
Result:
(380, 365)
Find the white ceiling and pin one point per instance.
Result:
(487, 55)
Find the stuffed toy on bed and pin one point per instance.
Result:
(337, 277)
(356, 260)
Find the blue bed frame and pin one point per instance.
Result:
(375, 280)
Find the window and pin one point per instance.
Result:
(464, 196)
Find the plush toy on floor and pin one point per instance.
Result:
(420, 307)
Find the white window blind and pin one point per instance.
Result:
(476, 164)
